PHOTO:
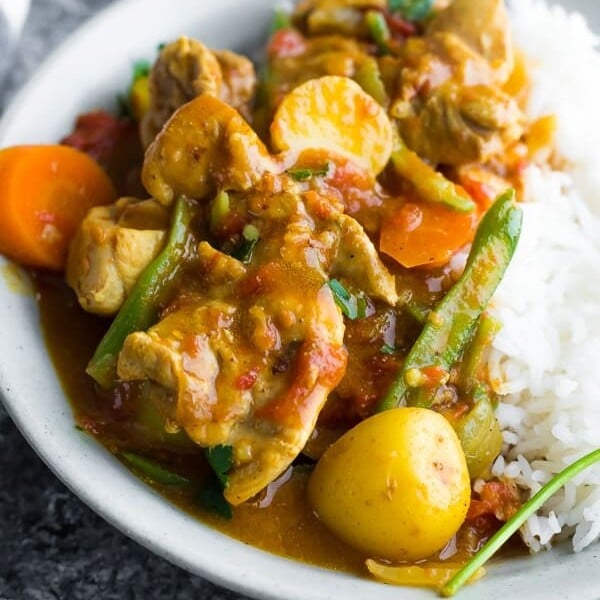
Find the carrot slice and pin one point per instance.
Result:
(334, 114)
(420, 234)
(45, 191)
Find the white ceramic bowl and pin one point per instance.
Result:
(87, 72)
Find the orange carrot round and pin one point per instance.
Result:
(45, 191)
(420, 234)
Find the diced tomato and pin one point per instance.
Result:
(286, 42)
(247, 380)
(399, 25)
(98, 133)
(497, 498)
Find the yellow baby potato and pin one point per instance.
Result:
(396, 486)
(334, 114)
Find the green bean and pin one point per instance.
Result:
(152, 470)
(368, 76)
(450, 326)
(475, 354)
(140, 309)
(479, 435)
(516, 521)
(379, 30)
(428, 183)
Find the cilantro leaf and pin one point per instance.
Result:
(220, 458)
(387, 349)
(141, 68)
(211, 498)
(250, 237)
(352, 306)
(302, 174)
(413, 10)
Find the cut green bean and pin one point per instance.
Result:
(450, 326)
(512, 525)
(429, 183)
(379, 30)
(154, 471)
(140, 309)
(368, 76)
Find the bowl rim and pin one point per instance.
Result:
(262, 575)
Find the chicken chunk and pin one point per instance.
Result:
(185, 69)
(357, 261)
(111, 248)
(251, 361)
(484, 27)
(459, 125)
(252, 370)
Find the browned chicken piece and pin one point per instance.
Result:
(239, 81)
(252, 370)
(445, 87)
(206, 144)
(357, 261)
(113, 245)
(252, 359)
(185, 69)
(484, 26)
(459, 125)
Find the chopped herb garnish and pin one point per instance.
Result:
(141, 68)
(512, 525)
(211, 498)
(153, 470)
(387, 349)
(281, 20)
(351, 305)
(412, 10)
(305, 173)
(220, 458)
(161, 47)
(250, 237)
(379, 30)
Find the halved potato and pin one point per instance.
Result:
(334, 114)
(205, 144)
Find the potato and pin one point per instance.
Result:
(334, 114)
(205, 145)
(396, 486)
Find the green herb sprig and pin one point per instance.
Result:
(512, 525)
(211, 496)
(351, 305)
(413, 10)
(302, 174)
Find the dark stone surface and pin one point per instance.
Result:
(52, 546)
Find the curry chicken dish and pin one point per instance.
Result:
(282, 277)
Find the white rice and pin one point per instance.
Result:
(544, 360)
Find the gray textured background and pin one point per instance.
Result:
(51, 545)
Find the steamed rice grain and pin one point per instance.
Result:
(545, 359)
